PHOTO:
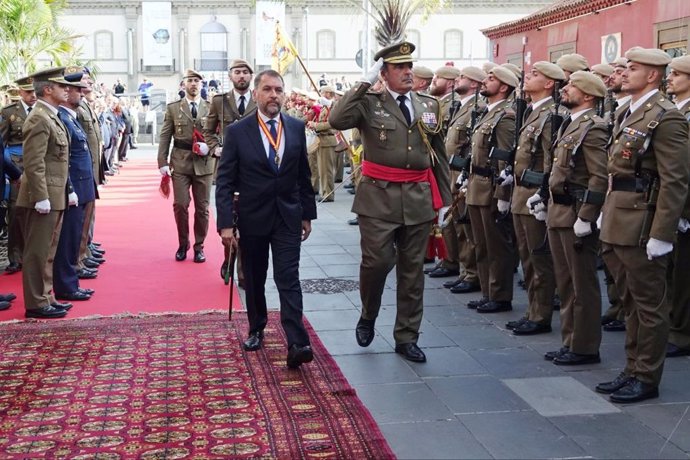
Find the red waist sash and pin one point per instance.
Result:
(399, 175)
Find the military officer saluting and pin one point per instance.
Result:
(189, 164)
(679, 336)
(577, 186)
(648, 184)
(405, 180)
(11, 123)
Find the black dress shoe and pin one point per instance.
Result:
(473, 304)
(349, 186)
(364, 332)
(615, 326)
(254, 341)
(354, 221)
(75, 296)
(61, 305)
(4, 305)
(351, 191)
(97, 244)
(86, 291)
(13, 267)
(224, 269)
(94, 258)
(495, 306)
(7, 297)
(450, 283)
(48, 312)
(614, 385)
(673, 351)
(199, 257)
(86, 274)
(513, 324)
(411, 352)
(442, 272)
(90, 263)
(574, 359)
(465, 288)
(181, 253)
(430, 269)
(605, 320)
(97, 252)
(298, 355)
(531, 328)
(634, 391)
(551, 355)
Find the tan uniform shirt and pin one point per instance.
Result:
(179, 125)
(223, 110)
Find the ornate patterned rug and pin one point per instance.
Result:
(173, 387)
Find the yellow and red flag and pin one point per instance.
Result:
(283, 52)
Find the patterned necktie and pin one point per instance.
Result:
(241, 108)
(194, 111)
(271, 151)
(404, 109)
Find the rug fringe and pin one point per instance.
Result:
(127, 315)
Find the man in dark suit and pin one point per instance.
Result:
(264, 159)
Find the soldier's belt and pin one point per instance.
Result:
(458, 163)
(531, 179)
(628, 184)
(483, 172)
(182, 145)
(501, 155)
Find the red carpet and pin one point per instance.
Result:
(173, 387)
(136, 226)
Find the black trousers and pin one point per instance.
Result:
(285, 249)
(65, 280)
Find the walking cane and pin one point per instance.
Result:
(230, 272)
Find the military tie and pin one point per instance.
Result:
(623, 117)
(565, 125)
(28, 111)
(241, 108)
(528, 112)
(403, 107)
(272, 154)
(194, 111)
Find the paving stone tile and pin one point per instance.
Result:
(670, 421)
(557, 396)
(376, 368)
(438, 440)
(319, 251)
(615, 436)
(479, 337)
(450, 361)
(336, 301)
(402, 402)
(344, 343)
(336, 271)
(452, 315)
(476, 394)
(333, 320)
(520, 435)
(515, 363)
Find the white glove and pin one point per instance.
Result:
(200, 148)
(461, 181)
(683, 225)
(540, 215)
(535, 204)
(165, 170)
(325, 102)
(600, 219)
(373, 73)
(442, 214)
(658, 248)
(503, 206)
(43, 206)
(217, 151)
(73, 199)
(582, 228)
(506, 178)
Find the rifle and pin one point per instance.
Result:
(458, 161)
(230, 271)
(613, 105)
(520, 105)
(650, 209)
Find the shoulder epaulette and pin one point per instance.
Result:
(429, 96)
(10, 106)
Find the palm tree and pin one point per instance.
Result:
(28, 30)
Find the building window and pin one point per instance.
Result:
(452, 44)
(214, 47)
(103, 44)
(559, 50)
(672, 36)
(413, 36)
(325, 44)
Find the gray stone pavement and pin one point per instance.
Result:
(483, 393)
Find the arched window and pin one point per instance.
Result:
(452, 44)
(103, 44)
(413, 36)
(325, 44)
(214, 46)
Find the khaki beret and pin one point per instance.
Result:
(25, 83)
(487, 66)
(237, 63)
(549, 70)
(517, 71)
(448, 72)
(505, 76)
(681, 64)
(420, 71)
(53, 74)
(620, 62)
(326, 89)
(603, 69)
(473, 73)
(191, 73)
(572, 62)
(648, 56)
(588, 83)
(397, 53)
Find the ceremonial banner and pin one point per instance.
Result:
(268, 13)
(156, 36)
(283, 52)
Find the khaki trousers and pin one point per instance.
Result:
(578, 287)
(642, 285)
(385, 245)
(537, 268)
(494, 252)
(314, 169)
(326, 164)
(41, 235)
(201, 193)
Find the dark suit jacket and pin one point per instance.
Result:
(264, 194)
